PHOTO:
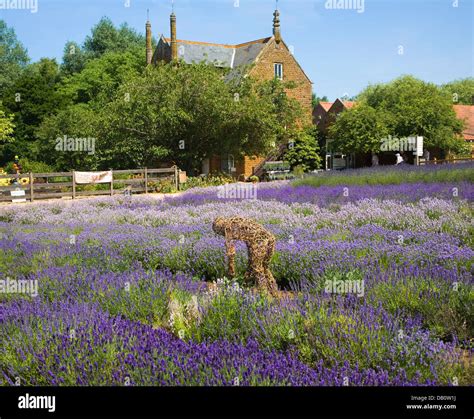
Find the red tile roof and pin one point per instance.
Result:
(326, 105)
(348, 104)
(466, 113)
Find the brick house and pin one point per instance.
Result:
(325, 113)
(466, 113)
(320, 111)
(262, 59)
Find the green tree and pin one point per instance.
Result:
(359, 129)
(13, 57)
(105, 37)
(410, 106)
(316, 99)
(460, 91)
(74, 122)
(74, 59)
(32, 97)
(303, 150)
(6, 127)
(98, 81)
(187, 113)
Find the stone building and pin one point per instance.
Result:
(262, 59)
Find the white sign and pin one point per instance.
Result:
(419, 147)
(18, 192)
(93, 177)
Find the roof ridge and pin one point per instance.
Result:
(230, 46)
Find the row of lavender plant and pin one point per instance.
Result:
(413, 255)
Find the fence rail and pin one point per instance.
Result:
(447, 161)
(44, 186)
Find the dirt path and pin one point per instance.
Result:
(157, 196)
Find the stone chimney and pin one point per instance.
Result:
(276, 26)
(174, 44)
(149, 50)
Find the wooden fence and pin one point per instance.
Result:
(63, 184)
(446, 161)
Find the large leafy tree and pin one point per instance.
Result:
(359, 129)
(31, 98)
(460, 91)
(186, 113)
(410, 106)
(74, 59)
(13, 57)
(75, 121)
(98, 81)
(105, 37)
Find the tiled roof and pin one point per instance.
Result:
(466, 113)
(348, 104)
(221, 55)
(326, 105)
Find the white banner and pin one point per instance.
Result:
(93, 177)
(419, 147)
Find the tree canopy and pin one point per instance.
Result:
(13, 57)
(460, 91)
(187, 113)
(359, 129)
(404, 107)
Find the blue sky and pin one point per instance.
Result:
(341, 50)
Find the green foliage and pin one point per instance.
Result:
(315, 99)
(388, 176)
(75, 121)
(31, 98)
(105, 37)
(460, 91)
(206, 181)
(187, 113)
(447, 316)
(410, 106)
(34, 166)
(74, 59)
(359, 129)
(303, 150)
(13, 57)
(6, 128)
(100, 78)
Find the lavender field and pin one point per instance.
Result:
(132, 290)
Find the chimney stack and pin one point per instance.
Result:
(174, 44)
(276, 26)
(149, 50)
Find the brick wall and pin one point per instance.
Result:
(250, 163)
(264, 70)
(319, 115)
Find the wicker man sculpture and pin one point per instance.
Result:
(260, 245)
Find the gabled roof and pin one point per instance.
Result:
(466, 113)
(326, 105)
(221, 55)
(348, 104)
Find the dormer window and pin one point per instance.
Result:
(278, 71)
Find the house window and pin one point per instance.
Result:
(278, 71)
(228, 163)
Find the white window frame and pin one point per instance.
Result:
(278, 74)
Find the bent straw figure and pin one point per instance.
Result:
(260, 245)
